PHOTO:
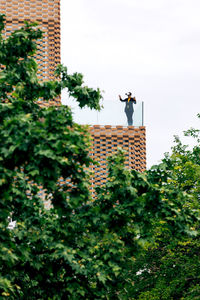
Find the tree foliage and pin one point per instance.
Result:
(169, 267)
(123, 244)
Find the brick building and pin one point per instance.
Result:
(47, 14)
(105, 141)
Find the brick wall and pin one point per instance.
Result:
(47, 14)
(106, 140)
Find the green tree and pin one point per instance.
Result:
(169, 267)
(39, 148)
(79, 248)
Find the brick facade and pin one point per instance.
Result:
(105, 141)
(47, 14)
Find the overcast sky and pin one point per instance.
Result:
(151, 48)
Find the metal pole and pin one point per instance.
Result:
(142, 113)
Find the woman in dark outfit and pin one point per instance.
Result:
(129, 107)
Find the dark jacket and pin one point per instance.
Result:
(129, 104)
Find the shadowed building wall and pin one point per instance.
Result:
(47, 14)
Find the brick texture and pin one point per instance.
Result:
(106, 140)
(47, 14)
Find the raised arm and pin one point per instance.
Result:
(120, 98)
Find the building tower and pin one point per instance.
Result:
(109, 131)
(105, 141)
(47, 14)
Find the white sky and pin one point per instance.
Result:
(151, 48)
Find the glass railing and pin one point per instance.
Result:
(112, 113)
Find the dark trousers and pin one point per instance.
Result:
(129, 114)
